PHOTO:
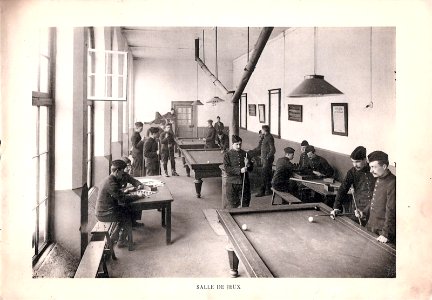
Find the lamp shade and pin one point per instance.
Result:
(197, 102)
(215, 100)
(314, 86)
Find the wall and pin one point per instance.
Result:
(343, 57)
(157, 82)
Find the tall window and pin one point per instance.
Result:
(42, 102)
(90, 115)
(275, 112)
(243, 111)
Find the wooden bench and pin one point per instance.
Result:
(286, 197)
(92, 260)
(103, 231)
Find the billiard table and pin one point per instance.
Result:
(204, 162)
(189, 143)
(281, 242)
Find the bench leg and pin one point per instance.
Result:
(233, 261)
(273, 198)
(110, 246)
(130, 239)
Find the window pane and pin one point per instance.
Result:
(36, 180)
(42, 224)
(34, 230)
(43, 129)
(33, 142)
(43, 177)
(91, 86)
(108, 86)
(44, 74)
(35, 70)
(120, 88)
(91, 62)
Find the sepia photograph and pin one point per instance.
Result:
(143, 161)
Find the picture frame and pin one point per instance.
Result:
(339, 118)
(295, 112)
(261, 113)
(252, 110)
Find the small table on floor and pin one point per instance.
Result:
(160, 200)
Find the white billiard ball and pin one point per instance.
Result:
(244, 227)
(310, 219)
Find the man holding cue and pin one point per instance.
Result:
(363, 182)
(237, 167)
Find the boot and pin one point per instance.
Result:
(174, 173)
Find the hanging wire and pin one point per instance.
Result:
(315, 29)
(248, 44)
(370, 60)
(203, 48)
(216, 54)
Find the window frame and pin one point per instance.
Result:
(279, 93)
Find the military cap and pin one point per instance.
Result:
(236, 139)
(304, 143)
(310, 148)
(359, 153)
(119, 164)
(210, 121)
(126, 160)
(378, 155)
(289, 150)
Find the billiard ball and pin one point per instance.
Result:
(316, 208)
(244, 227)
(310, 219)
(208, 161)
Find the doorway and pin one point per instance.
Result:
(185, 122)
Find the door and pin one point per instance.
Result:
(185, 123)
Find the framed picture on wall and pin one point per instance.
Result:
(252, 110)
(261, 113)
(295, 112)
(339, 118)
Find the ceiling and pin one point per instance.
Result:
(179, 42)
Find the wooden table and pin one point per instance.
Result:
(160, 200)
(281, 242)
(189, 143)
(204, 162)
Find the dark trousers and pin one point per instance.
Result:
(138, 169)
(168, 154)
(124, 216)
(234, 193)
(266, 173)
(152, 168)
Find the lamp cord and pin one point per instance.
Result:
(315, 51)
(370, 60)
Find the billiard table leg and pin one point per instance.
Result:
(233, 261)
(198, 184)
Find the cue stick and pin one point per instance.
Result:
(355, 204)
(244, 176)
(309, 181)
(159, 157)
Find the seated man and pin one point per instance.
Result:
(133, 185)
(219, 125)
(318, 164)
(382, 208)
(110, 204)
(304, 160)
(222, 141)
(211, 135)
(284, 170)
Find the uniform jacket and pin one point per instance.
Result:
(167, 140)
(233, 162)
(284, 170)
(110, 197)
(137, 145)
(304, 161)
(219, 126)
(320, 164)
(267, 147)
(150, 148)
(127, 178)
(223, 142)
(211, 136)
(363, 183)
(382, 209)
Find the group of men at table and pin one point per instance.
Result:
(374, 185)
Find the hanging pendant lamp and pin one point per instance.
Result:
(215, 99)
(314, 85)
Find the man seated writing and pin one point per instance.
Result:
(284, 170)
(318, 164)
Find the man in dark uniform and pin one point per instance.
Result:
(211, 135)
(363, 182)
(304, 159)
(222, 141)
(167, 149)
(111, 204)
(218, 125)
(151, 153)
(130, 184)
(255, 153)
(237, 167)
(318, 164)
(267, 157)
(284, 170)
(137, 151)
(382, 208)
